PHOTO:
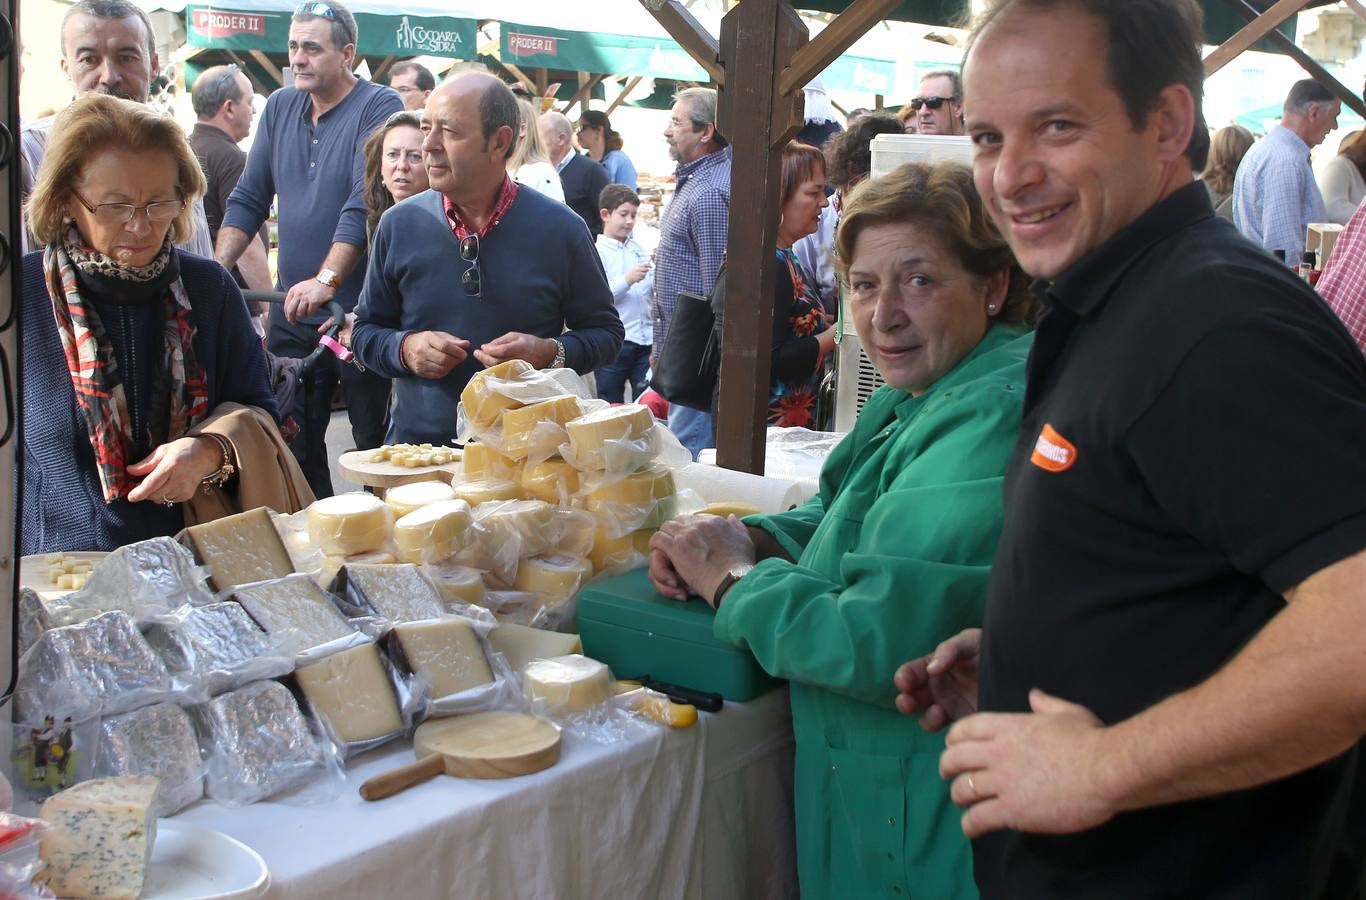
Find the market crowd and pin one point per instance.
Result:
(1092, 565)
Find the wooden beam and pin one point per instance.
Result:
(691, 36)
(383, 68)
(542, 78)
(838, 37)
(268, 66)
(1356, 7)
(1307, 62)
(522, 77)
(1251, 33)
(758, 40)
(584, 93)
(879, 102)
(621, 98)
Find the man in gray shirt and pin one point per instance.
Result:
(308, 153)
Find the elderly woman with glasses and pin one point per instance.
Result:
(128, 342)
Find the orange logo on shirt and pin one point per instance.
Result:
(1052, 451)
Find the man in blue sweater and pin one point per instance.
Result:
(308, 154)
(475, 271)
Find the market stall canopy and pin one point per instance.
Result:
(386, 29)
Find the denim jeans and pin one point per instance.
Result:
(693, 428)
(630, 365)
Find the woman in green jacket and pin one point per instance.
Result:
(892, 555)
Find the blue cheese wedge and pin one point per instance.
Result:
(101, 838)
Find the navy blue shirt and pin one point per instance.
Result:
(318, 173)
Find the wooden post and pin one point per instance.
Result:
(689, 33)
(584, 93)
(383, 68)
(268, 66)
(879, 103)
(630, 86)
(1307, 62)
(523, 78)
(758, 39)
(1251, 33)
(542, 79)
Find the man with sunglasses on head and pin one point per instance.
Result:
(108, 47)
(308, 155)
(938, 107)
(476, 271)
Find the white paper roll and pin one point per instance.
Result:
(715, 485)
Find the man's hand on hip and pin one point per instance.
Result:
(540, 352)
(306, 297)
(432, 354)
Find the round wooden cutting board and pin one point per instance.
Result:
(490, 744)
(357, 468)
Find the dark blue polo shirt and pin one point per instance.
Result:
(318, 173)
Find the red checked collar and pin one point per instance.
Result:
(500, 209)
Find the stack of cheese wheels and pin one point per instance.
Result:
(622, 484)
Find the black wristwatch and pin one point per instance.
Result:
(734, 575)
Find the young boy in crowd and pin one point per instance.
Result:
(629, 275)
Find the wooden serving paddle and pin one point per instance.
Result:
(480, 745)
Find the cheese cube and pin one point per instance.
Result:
(482, 402)
(295, 603)
(240, 549)
(398, 592)
(350, 523)
(553, 481)
(538, 427)
(434, 532)
(353, 692)
(565, 685)
(406, 498)
(554, 577)
(447, 651)
(520, 644)
(101, 838)
(483, 463)
(626, 426)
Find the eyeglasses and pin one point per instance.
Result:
(122, 213)
(931, 102)
(469, 252)
(228, 76)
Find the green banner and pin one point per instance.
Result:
(598, 52)
(229, 29)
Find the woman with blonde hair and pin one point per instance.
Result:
(893, 553)
(530, 162)
(1343, 183)
(128, 342)
(1226, 151)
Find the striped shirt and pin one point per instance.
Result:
(1275, 196)
(692, 236)
(1343, 283)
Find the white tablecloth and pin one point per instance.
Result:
(705, 812)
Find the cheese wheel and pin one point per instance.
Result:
(406, 498)
(483, 404)
(353, 692)
(552, 481)
(434, 531)
(531, 523)
(566, 684)
(614, 552)
(588, 434)
(483, 463)
(522, 431)
(520, 644)
(447, 651)
(554, 577)
(476, 492)
(578, 531)
(643, 499)
(350, 523)
(458, 584)
(739, 510)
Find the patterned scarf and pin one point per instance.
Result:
(95, 374)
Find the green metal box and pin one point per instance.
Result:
(625, 623)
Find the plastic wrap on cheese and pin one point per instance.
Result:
(396, 593)
(403, 499)
(100, 665)
(240, 549)
(510, 531)
(434, 532)
(354, 693)
(257, 743)
(641, 500)
(346, 524)
(34, 618)
(620, 554)
(218, 647)
(447, 651)
(483, 400)
(482, 462)
(537, 430)
(298, 607)
(520, 644)
(555, 576)
(578, 530)
(457, 584)
(476, 492)
(552, 480)
(619, 434)
(565, 685)
(154, 740)
(145, 579)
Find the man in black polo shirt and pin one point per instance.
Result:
(1172, 680)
